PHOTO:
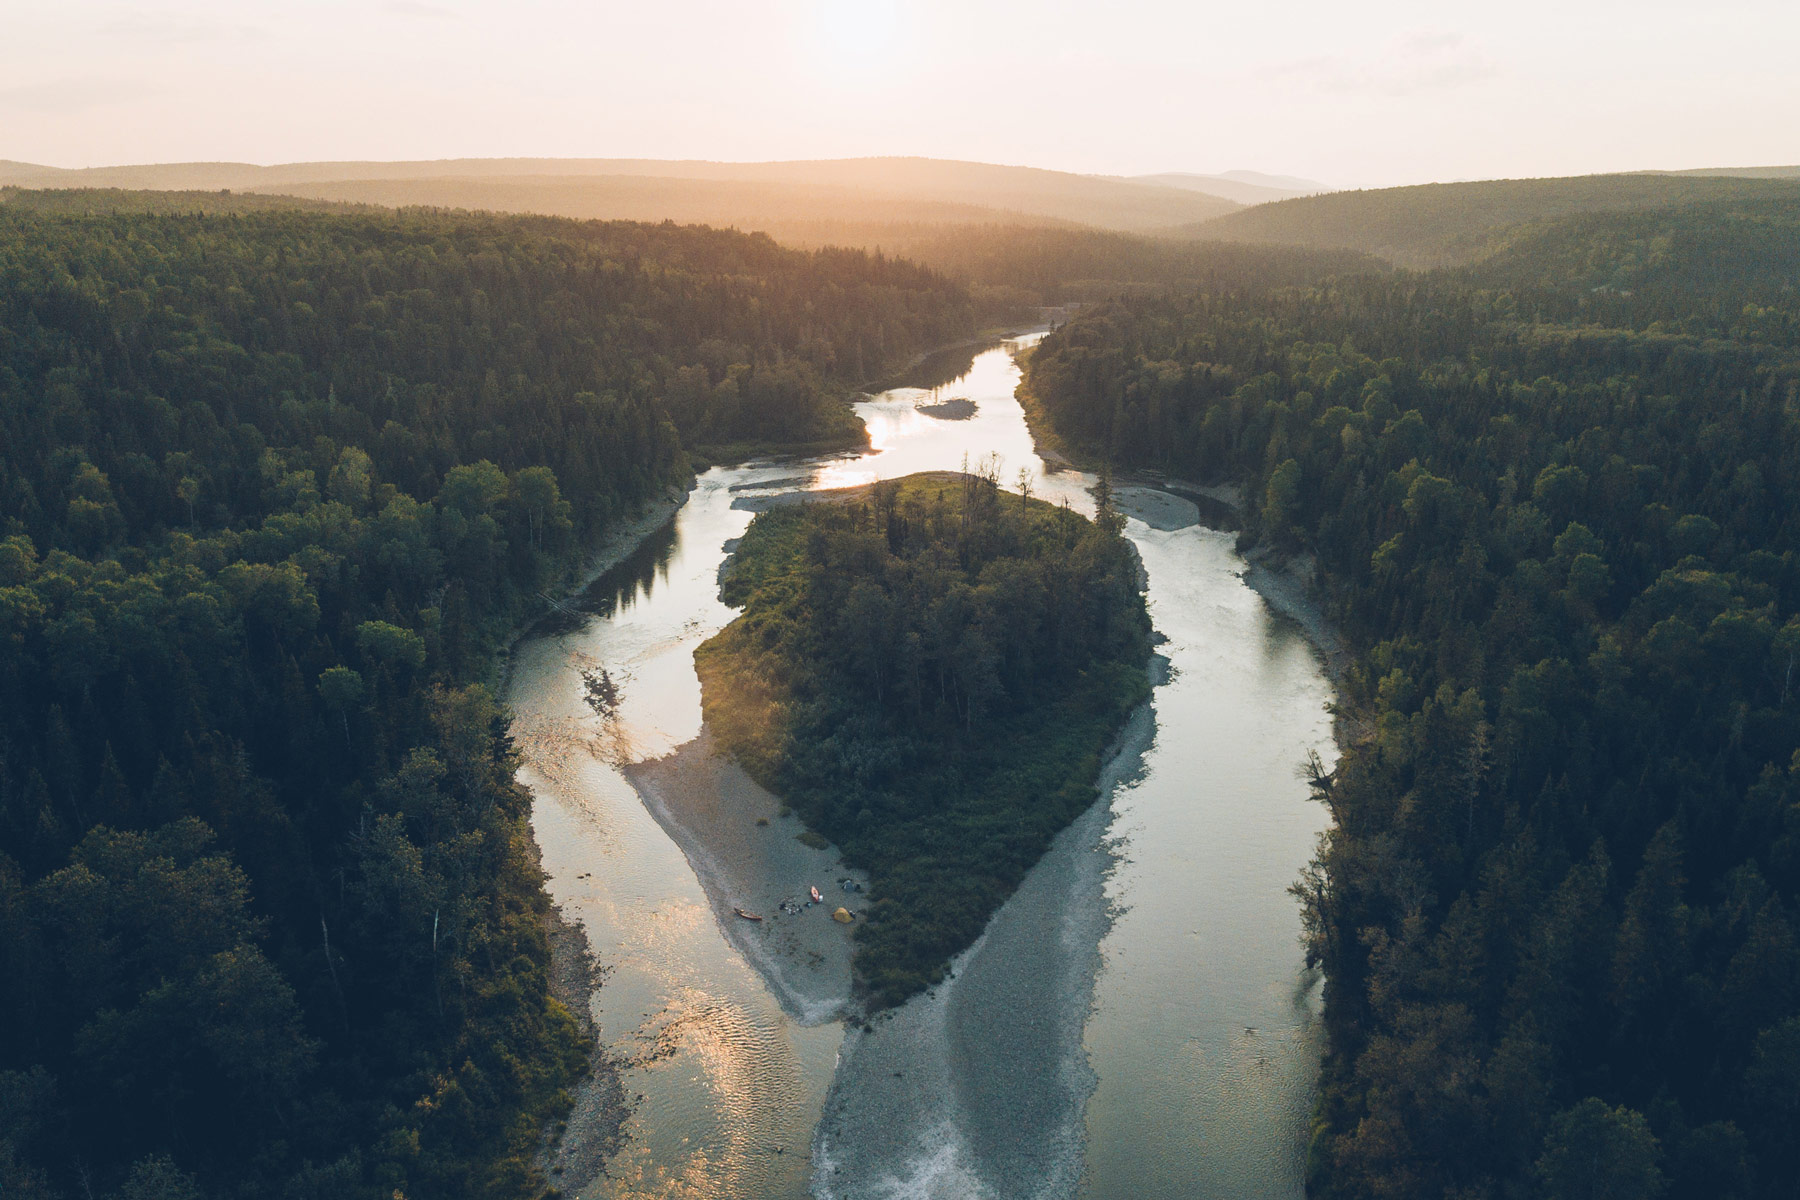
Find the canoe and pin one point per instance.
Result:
(817, 899)
(747, 916)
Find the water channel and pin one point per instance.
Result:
(1188, 1069)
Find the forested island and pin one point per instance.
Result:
(1551, 498)
(928, 670)
(275, 485)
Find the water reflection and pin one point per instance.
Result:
(626, 583)
(939, 369)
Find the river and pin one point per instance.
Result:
(1136, 1023)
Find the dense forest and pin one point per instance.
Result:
(1552, 502)
(274, 486)
(928, 671)
(1449, 224)
(1010, 265)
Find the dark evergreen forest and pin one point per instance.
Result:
(1457, 224)
(274, 486)
(276, 482)
(1552, 501)
(1009, 265)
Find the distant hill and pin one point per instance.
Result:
(1739, 172)
(748, 195)
(98, 201)
(1059, 265)
(1443, 224)
(1729, 254)
(1244, 187)
(1292, 183)
(769, 207)
(1011, 268)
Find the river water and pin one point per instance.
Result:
(1197, 1025)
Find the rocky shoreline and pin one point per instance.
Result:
(575, 1150)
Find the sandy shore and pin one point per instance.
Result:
(625, 538)
(1156, 508)
(1229, 495)
(979, 1087)
(747, 855)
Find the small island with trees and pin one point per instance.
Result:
(929, 671)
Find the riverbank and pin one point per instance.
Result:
(975, 343)
(620, 543)
(1289, 583)
(624, 539)
(977, 1088)
(575, 1149)
(747, 850)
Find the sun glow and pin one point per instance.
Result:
(852, 39)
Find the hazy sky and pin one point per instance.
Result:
(1365, 94)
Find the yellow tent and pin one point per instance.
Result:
(842, 916)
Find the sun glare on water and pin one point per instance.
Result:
(890, 425)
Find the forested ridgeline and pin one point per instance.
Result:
(744, 340)
(1557, 912)
(273, 487)
(96, 201)
(1447, 224)
(1011, 263)
(1014, 265)
(928, 672)
(1726, 268)
(749, 194)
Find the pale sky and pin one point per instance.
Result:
(1356, 94)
